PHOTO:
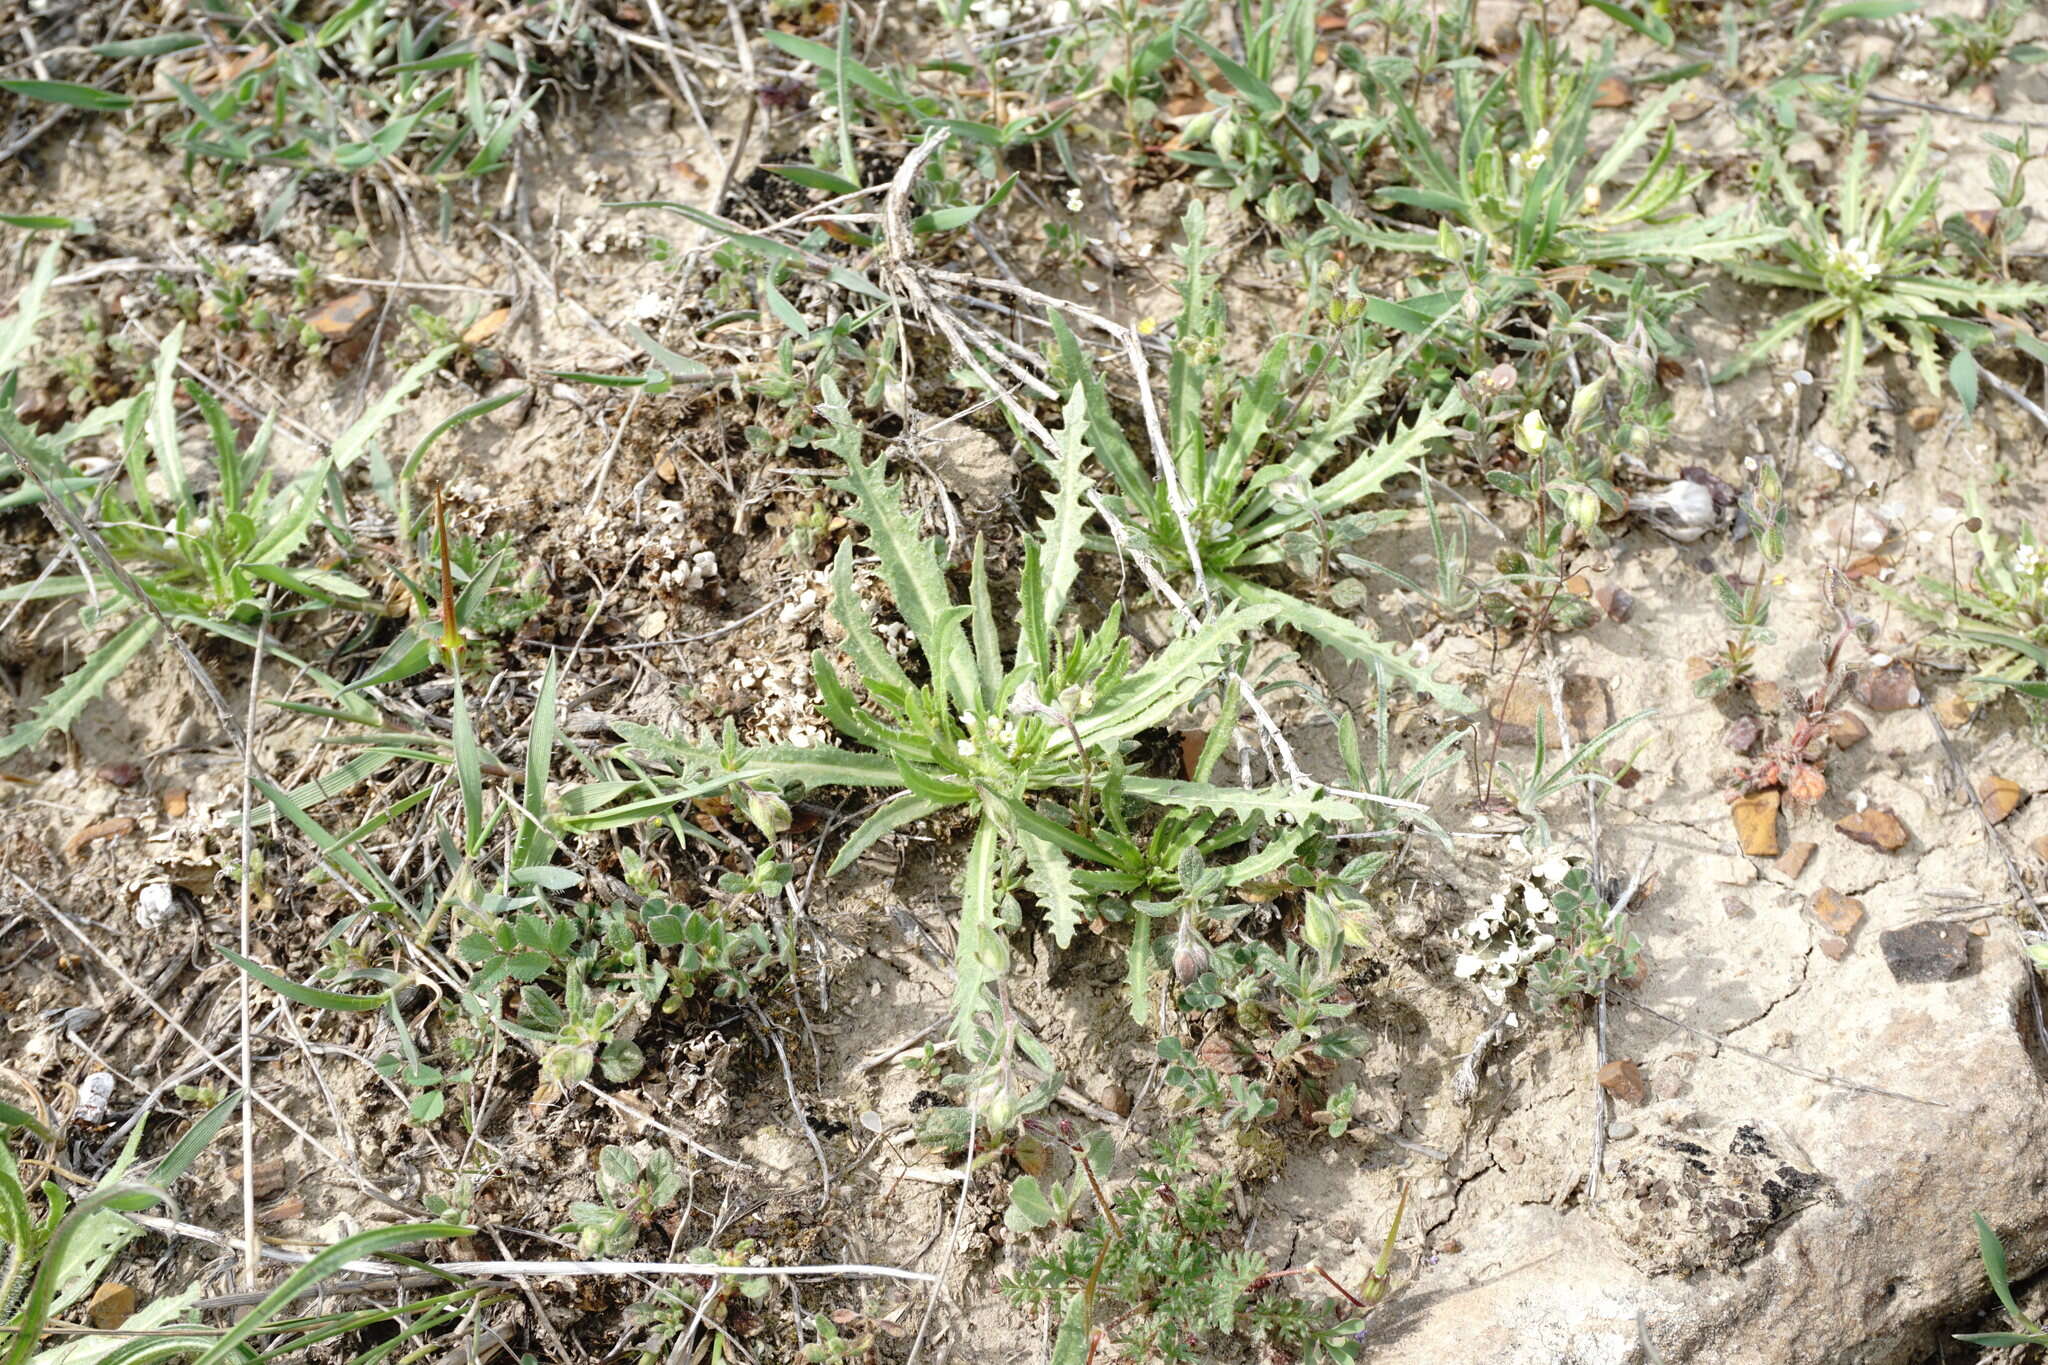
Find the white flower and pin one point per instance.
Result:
(966, 748)
(1530, 159)
(1854, 260)
(1531, 434)
(1553, 869)
(2028, 558)
(1074, 201)
(1468, 965)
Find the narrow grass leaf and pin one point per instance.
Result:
(904, 808)
(448, 424)
(350, 445)
(324, 1263)
(69, 93)
(311, 996)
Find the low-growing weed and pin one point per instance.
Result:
(1974, 45)
(58, 1254)
(1156, 1276)
(1228, 504)
(1998, 614)
(633, 1185)
(1034, 741)
(214, 548)
(1875, 260)
(678, 1313)
(1521, 193)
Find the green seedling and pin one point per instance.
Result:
(633, 1185)
(2025, 1332)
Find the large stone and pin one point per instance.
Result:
(1864, 1254)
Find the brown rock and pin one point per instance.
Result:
(1618, 602)
(1921, 418)
(1834, 947)
(2040, 847)
(1984, 220)
(1588, 708)
(1890, 688)
(1846, 730)
(1613, 93)
(1838, 912)
(1795, 858)
(113, 1303)
(1623, 1079)
(2000, 797)
(1756, 823)
(175, 802)
(1877, 827)
(339, 319)
(99, 829)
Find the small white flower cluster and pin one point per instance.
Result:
(990, 734)
(1529, 160)
(1498, 943)
(2029, 558)
(993, 14)
(1853, 261)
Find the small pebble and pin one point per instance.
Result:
(120, 774)
(2000, 797)
(1793, 861)
(1876, 827)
